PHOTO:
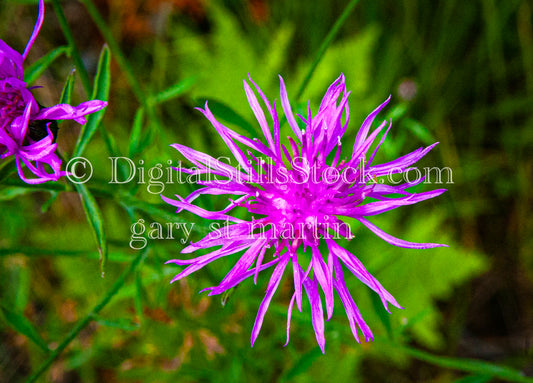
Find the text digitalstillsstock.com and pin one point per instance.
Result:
(124, 171)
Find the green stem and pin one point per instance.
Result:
(472, 366)
(122, 61)
(115, 50)
(89, 254)
(84, 75)
(325, 44)
(78, 62)
(89, 317)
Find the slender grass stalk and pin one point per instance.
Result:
(142, 98)
(473, 366)
(36, 252)
(325, 45)
(115, 50)
(90, 316)
(78, 62)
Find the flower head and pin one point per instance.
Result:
(296, 194)
(27, 130)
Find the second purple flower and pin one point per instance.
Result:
(27, 130)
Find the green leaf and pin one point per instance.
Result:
(358, 50)
(94, 216)
(120, 58)
(66, 93)
(416, 278)
(477, 367)
(226, 295)
(10, 192)
(102, 83)
(79, 358)
(35, 70)
(123, 324)
(383, 315)
(20, 323)
(45, 206)
(76, 57)
(474, 379)
(7, 167)
(115, 256)
(135, 136)
(397, 111)
(419, 131)
(110, 142)
(22, 288)
(50, 186)
(172, 92)
(233, 53)
(325, 44)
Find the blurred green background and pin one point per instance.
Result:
(460, 73)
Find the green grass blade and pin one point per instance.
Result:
(22, 325)
(76, 57)
(9, 193)
(7, 167)
(135, 137)
(115, 48)
(23, 286)
(419, 131)
(383, 315)
(122, 324)
(35, 70)
(102, 84)
(325, 44)
(472, 366)
(68, 88)
(94, 216)
(46, 205)
(172, 92)
(474, 379)
(36, 252)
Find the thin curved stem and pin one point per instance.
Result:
(325, 45)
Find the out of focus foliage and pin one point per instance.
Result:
(460, 73)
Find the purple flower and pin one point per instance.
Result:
(295, 195)
(26, 128)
